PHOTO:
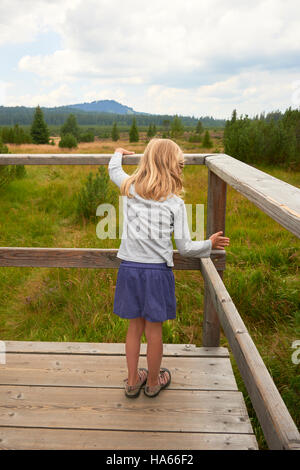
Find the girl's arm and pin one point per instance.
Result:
(185, 245)
(115, 170)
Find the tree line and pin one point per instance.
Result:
(271, 139)
(9, 116)
(71, 134)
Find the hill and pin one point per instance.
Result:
(100, 113)
(104, 106)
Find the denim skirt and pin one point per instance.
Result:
(145, 290)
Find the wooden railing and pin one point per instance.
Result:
(278, 199)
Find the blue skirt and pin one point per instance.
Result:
(145, 290)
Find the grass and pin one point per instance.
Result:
(75, 304)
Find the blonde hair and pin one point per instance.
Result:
(159, 173)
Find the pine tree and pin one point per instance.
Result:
(199, 128)
(176, 127)
(133, 133)
(150, 131)
(115, 135)
(71, 127)
(233, 116)
(166, 126)
(207, 143)
(39, 130)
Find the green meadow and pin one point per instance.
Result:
(72, 304)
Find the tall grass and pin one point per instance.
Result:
(75, 304)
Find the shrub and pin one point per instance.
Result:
(96, 190)
(71, 127)
(15, 135)
(20, 171)
(9, 172)
(87, 137)
(68, 141)
(195, 138)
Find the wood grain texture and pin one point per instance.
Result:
(110, 409)
(278, 199)
(60, 439)
(84, 159)
(71, 396)
(277, 424)
(87, 258)
(198, 373)
(108, 349)
(216, 215)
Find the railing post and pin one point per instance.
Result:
(216, 210)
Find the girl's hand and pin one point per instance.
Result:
(218, 242)
(123, 151)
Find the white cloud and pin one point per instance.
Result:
(168, 57)
(56, 97)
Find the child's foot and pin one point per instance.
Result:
(133, 391)
(163, 381)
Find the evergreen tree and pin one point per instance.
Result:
(176, 127)
(166, 126)
(3, 148)
(207, 143)
(233, 116)
(71, 127)
(199, 128)
(150, 131)
(133, 133)
(39, 130)
(115, 135)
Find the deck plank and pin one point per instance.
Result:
(48, 347)
(62, 439)
(109, 409)
(199, 373)
(70, 396)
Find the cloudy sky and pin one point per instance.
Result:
(194, 57)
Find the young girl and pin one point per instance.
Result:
(145, 288)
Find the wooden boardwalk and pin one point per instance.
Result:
(70, 396)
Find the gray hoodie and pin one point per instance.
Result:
(148, 225)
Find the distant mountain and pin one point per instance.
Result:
(99, 113)
(104, 106)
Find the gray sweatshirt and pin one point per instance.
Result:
(148, 225)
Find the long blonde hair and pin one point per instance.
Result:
(159, 173)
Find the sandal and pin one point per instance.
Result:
(133, 391)
(154, 391)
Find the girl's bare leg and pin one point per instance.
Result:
(153, 333)
(133, 343)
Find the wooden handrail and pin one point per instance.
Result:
(84, 159)
(277, 424)
(87, 258)
(280, 200)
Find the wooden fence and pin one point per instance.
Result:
(279, 200)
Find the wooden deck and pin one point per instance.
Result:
(70, 396)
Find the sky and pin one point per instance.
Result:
(193, 58)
